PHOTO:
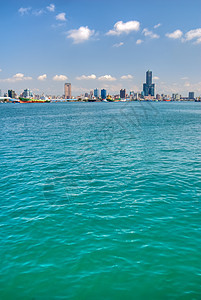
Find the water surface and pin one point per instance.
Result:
(100, 201)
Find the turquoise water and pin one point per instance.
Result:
(100, 201)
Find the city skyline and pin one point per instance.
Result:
(49, 43)
(147, 93)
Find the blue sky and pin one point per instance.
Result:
(98, 43)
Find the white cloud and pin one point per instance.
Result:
(107, 78)
(80, 35)
(138, 42)
(194, 34)
(198, 41)
(51, 7)
(61, 17)
(184, 78)
(157, 25)
(156, 78)
(42, 77)
(60, 78)
(118, 45)
(20, 76)
(177, 34)
(24, 10)
(58, 25)
(38, 12)
(149, 33)
(0, 70)
(16, 77)
(120, 27)
(85, 77)
(126, 77)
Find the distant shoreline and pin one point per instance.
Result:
(16, 101)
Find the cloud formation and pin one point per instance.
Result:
(61, 17)
(150, 34)
(24, 10)
(60, 78)
(42, 77)
(194, 34)
(85, 77)
(80, 35)
(16, 77)
(118, 45)
(51, 7)
(107, 78)
(128, 27)
(191, 35)
(177, 34)
(38, 12)
(126, 77)
(157, 25)
(156, 78)
(138, 42)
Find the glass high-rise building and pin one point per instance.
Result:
(103, 94)
(149, 87)
(11, 93)
(191, 95)
(149, 77)
(96, 93)
(27, 94)
(122, 94)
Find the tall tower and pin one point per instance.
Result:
(149, 77)
(96, 93)
(103, 94)
(67, 90)
(149, 87)
(123, 94)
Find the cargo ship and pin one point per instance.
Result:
(27, 100)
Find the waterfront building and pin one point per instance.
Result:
(11, 93)
(191, 95)
(138, 95)
(27, 94)
(158, 97)
(96, 93)
(149, 87)
(91, 94)
(103, 94)
(123, 93)
(132, 95)
(176, 97)
(67, 90)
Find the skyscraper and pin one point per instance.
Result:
(103, 94)
(96, 93)
(11, 93)
(191, 95)
(122, 94)
(27, 94)
(67, 90)
(149, 87)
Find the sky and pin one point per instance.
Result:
(100, 44)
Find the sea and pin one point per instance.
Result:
(100, 201)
